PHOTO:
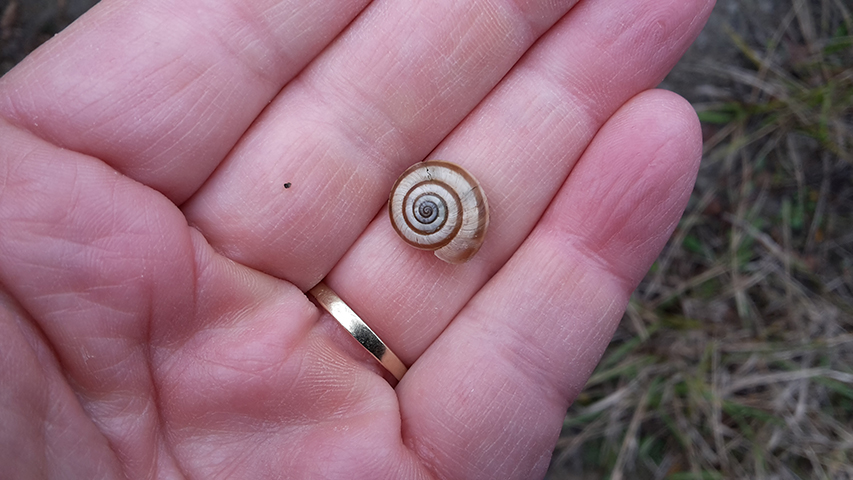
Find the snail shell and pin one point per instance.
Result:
(439, 206)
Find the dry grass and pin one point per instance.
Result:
(735, 358)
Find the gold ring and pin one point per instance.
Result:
(330, 300)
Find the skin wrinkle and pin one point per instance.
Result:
(673, 212)
(263, 37)
(571, 109)
(9, 185)
(47, 428)
(499, 401)
(332, 184)
(34, 409)
(499, 408)
(216, 379)
(101, 393)
(92, 298)
(545, 112)
(55, 410)
(153, 162)
(191, 116)
(155, 398)
(96, 246)
(375, 146)
(95, 102)
(574, 87)
(588, 88)
(202, 24)
(556, 119)
(523, 348)
(500, 20)
(204, 336)
(136, 97)
(373, 120)
(17, 110)
(244, 369)
(457, 49)
(612, 240)
(388, 136)
(352, 181)
(538, 15)
(502, 401)
(596, 257)
(102, 413)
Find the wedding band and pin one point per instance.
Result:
(330, 300)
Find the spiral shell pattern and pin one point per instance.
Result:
(439, 206)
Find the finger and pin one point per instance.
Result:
(162, 90)
(502, 375)
(376, 101)
(521, 144)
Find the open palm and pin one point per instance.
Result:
(153, 320)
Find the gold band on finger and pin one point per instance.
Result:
(330, 300)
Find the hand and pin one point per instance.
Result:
(153, 266)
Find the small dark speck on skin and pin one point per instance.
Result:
(287, 185)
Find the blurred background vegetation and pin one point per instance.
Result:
(735, 357)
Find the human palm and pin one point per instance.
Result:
(153, 266)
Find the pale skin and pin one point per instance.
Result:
(153, 320)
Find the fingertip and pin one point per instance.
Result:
(628, 191)
(664, 116)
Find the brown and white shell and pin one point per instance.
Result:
(439, 206)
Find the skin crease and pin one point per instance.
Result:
(153, 321)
